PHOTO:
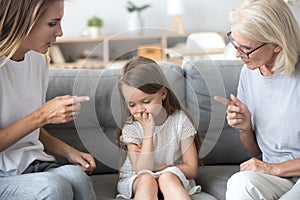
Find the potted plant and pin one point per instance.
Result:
(135, 21)
(131, 7)
(95, 23)
(292, 2)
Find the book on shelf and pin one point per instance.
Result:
(56, 55)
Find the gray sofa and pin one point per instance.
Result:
(94, 130)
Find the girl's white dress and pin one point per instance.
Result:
(167, 151)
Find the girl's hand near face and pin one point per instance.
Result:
(141, 155)
(147, 122)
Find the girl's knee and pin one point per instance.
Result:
(167, 176)
(144, 180)
(147, 178)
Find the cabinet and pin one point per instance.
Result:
(100, 52)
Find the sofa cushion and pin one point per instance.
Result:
(205, 79)
(94, 129)
(213, 179)
(175, 77)
(106, 188)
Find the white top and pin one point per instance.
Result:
(167, 150)
(23, 88)
(274, 105)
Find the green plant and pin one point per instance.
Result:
(292, 2)
(95, 21)
(131, 7)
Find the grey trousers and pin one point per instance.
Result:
(248, 185)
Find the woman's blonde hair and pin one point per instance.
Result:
(269, 21)
(17, 17)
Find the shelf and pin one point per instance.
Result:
(120, 37)
(90, 65)
(81, 64)
(79, 40)
(193, 52)
(108, 49)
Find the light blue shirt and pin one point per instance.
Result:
(274, 103)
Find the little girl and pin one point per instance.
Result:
(161, 141)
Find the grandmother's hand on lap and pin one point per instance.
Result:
(257, 165)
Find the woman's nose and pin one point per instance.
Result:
(59, 31)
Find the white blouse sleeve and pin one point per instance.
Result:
(188, 130)
(130, 134)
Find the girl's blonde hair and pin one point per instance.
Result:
(269, 21)
(17, 17)
(146, 75)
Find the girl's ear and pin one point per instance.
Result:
(164, 93)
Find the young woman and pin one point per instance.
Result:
(266, 110)
(28, 27)
(161, 140)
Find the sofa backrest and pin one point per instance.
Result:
(204, 80)
(94, 129)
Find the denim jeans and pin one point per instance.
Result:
(66, 182)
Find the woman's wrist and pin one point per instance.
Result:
(39, 118)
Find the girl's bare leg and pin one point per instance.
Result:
(145, 187)
(171, 187)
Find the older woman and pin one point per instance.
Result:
(266, 110)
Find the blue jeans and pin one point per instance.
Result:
(61, 183)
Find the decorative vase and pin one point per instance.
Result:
(94, 31)
(135, 23)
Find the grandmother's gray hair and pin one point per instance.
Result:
(269, 21)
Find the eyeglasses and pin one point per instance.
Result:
(244, 54)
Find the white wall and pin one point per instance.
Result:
(296, 11)
(199, 15)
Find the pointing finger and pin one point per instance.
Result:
(235, 100)
(223, 100)
(80, 99)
